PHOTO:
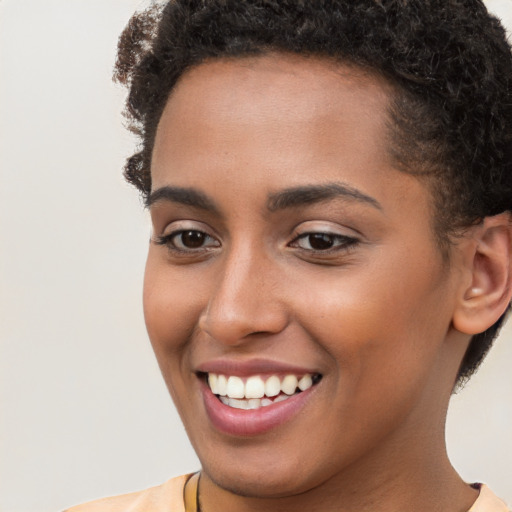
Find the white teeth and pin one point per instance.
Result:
(289, 384)
(254, 387)
(254, 403)
(273, 386)
(212, 381)
(222, 384)
(235, 387)
(306, 382)
(256, 392)
(238, 404)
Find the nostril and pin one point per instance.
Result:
(238, 309)
(235, 329)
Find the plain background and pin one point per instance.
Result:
(85, 412)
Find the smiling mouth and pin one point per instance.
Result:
(255, 392)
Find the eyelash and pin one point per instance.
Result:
(338, 242)
(341, 242)
(169, 241)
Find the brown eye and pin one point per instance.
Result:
(187, 240)
(320, 241)
(323, 242)
(191, 239)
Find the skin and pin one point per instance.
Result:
(374, 315)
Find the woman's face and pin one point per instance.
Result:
(288, 251)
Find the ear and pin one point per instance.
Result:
(486, 292)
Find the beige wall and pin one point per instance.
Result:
(84, 411)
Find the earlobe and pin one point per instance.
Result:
(489, 263)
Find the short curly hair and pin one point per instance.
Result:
(448, 61)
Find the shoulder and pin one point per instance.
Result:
(488, 502)
(167, 497)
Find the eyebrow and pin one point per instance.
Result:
(182, 195)
(293, 197)
(299, 196)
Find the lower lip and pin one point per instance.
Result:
(252, 422)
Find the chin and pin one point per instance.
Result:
(262, 473)
(257, 484)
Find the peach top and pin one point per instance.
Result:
(174, 496)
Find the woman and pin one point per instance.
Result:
(330, 190)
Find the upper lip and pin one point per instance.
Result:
(252, 367)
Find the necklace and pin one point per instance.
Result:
(191, 495)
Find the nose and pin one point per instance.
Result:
(244, 300)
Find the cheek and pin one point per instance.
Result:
(381, 324)
(383, 336)
(172, 305)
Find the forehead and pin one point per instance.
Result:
(242, 130)
(272, 105)
(288, 79)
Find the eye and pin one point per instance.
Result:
(187, 240)
(323, 242)
(190, 239)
